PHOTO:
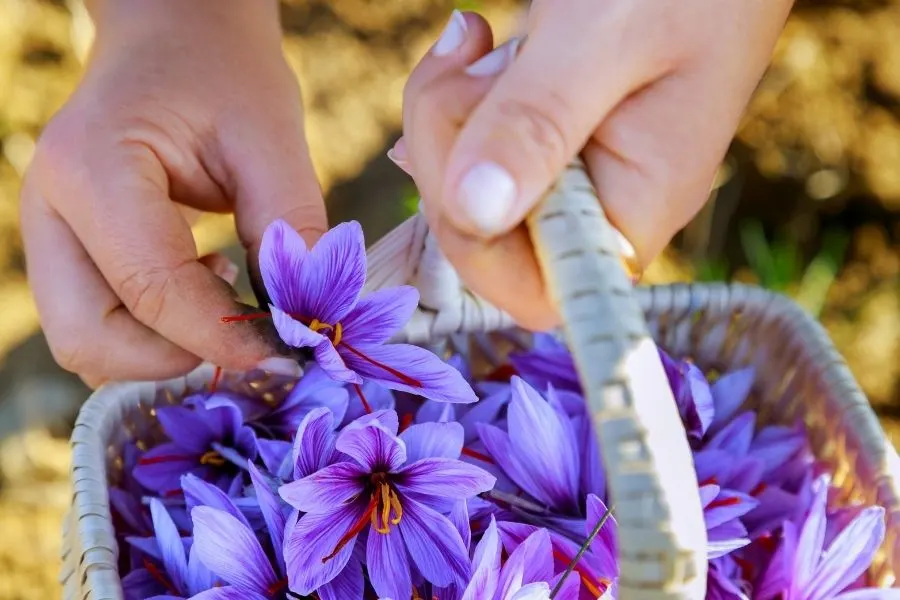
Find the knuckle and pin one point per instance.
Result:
(539, 127)
(70, 350)
(145, 293)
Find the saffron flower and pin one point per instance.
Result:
(316, 304)
(398, 489)
(172, 568)
(547, 363)
(528, 573)
(207, 438)
(807, 565)
(692, 395)
(722, 510)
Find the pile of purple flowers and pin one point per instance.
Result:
(389, 473)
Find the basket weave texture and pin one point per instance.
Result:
(611, 329)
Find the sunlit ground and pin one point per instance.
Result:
(808, 203)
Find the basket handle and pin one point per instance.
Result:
(652, 482)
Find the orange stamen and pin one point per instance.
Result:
(160, 577)
(403, 378)
(477, 455)
(356, 528)
(362, 397)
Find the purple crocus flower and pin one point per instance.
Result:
(540, 451)
(207, 438)
(722, 510)
(316, 304)
(692, 395)
(395, 488)
(315, 388)
(172, 570)
(548, 362)
(528, 573)
(807, 565)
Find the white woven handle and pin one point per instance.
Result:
(652, 482)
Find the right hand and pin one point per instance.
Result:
(184, 104)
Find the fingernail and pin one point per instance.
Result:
(453, 36)
(625, 247)
(494, 61)
(399, 157)
(229, 272)
(628, 256)
(486, 196)
(280, 366)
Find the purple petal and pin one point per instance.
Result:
(334, 273)
(130, 509)
(536, 591)
(727, 506)
(140, 584)
(434, 544)
(593, 473)
(348, 585)
(274, 454)
(871, 594)
(443, 478)
(388, 564)
(314, 444)
(459, 516)
(372, 446)
(486, 410)
(315, 537)
(292, 332)
(281, 257)
(433, 411)
(570, 590)
(606, 544)
(200, 493)
(315, 389)
(323, 490)
(376, 317)
(185, 427)
(228, 593)
(333, 363)
(170, 545)
(530, 562)
(378, 397)
(433, 440)
(230, 550)
(812, 534)
(729, 393)
(486, 566)
(736, 436)
(549, 362)
(544, 442)
(161, 467)
(200, 578)
(850, 554)
(409, 369)
(272, 513)
(499, 446)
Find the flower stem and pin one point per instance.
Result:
(584, 547)
(498, 497)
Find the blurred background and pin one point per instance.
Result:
(806, 203)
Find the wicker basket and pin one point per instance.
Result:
(609, 326)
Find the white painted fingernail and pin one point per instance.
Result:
(281, 366)
(453, 36)
(495, 61)
(626, 248)
(487, 194)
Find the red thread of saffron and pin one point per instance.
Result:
(503, 373)
(745, 566)
(356, 528)
(477, 455)
(215, 380)
(153, 460)
(276, 587)
(711, 481)
(405, 421)
(403, 378)
(719, 502)
(160, 577)
(362, 397)
(759, 489)
(250, 317)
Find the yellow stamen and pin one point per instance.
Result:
(338, 334)
(212, 458)
(385, 506)
(397, 508)
(338, 329)
(391, 510)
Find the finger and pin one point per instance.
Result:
(120, 210)
(502, 270)
(541, 111)
(648, 183)
(87, 328)
(222, 266)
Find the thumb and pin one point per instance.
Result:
(537, 117)
(273, 179)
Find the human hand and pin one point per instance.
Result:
(649, 92)
(184, 104)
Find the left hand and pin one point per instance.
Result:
(649, 92)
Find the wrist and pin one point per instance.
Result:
(131, 21)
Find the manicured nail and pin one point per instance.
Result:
(628, 256)
(486, 197)
(399, 156)
(229, 272)
(280, 366)
(453, 36)
(494, 61)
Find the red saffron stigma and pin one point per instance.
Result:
(477, 455)
(405, 421)
(357, 527)
(719, 502)
(403, 378)
(215, 380)
(362, 397)
(767, 541)
(503, 373)
(711, 481)
(596, 586)
(249, 317)
(759, 489)
(153, 460)
(160, 577)
(173, 494)
(745, 566)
